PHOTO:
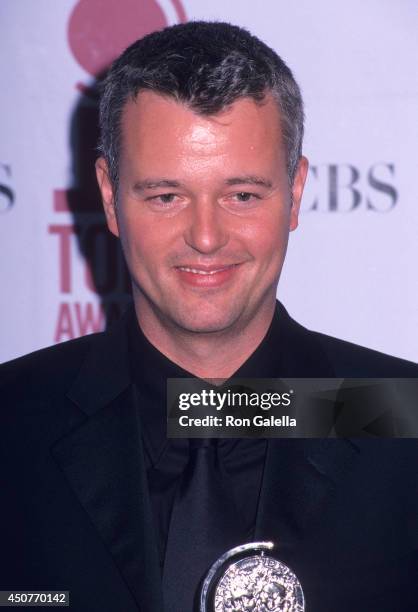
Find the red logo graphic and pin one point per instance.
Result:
(99, 31)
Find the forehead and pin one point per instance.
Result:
(160, 130)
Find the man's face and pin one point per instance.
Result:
(204, 210)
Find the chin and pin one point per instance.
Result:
(200, 322)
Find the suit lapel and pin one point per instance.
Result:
(300, 475)
(103, 462)
(300, 480)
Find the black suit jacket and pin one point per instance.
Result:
(75, 512)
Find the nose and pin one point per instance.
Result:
(206, 230)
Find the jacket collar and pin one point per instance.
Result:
(105, 372)
(301, 476)
(102, 460)
(299, 353)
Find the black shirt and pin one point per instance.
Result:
(165, 459)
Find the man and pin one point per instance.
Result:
(201, 175)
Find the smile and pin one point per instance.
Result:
(207, 277)
(200, 271)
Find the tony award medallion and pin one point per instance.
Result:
(247, 579)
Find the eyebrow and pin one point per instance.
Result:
(248, 179)
(155, 184)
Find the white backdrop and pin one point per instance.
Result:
(351, 266)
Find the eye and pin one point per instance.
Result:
(242, 201)
(245, 196)
(163, 198)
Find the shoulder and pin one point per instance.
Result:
(352, 360)
(52, 367)
(345, 359)
(47, 377)
(47, 393)
(34, 408)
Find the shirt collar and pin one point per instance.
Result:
(287, 350)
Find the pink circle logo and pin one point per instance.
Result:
(99, 31)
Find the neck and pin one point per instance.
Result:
(204, 354)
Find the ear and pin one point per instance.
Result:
(297, 191)
(108, 196)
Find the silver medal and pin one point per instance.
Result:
(253, 583)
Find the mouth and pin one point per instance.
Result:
(207, 276)
(205, 270)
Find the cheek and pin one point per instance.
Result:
(267, 236)
(133, 238)
(145, 240)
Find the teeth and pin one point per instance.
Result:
(201, 271)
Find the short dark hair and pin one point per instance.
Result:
(208, 66)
